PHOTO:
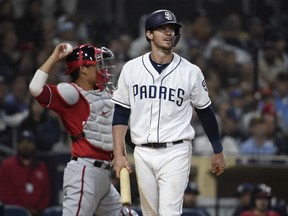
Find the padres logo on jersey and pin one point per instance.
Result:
(160, 92)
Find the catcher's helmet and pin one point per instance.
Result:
(163, 17)
(85, 55)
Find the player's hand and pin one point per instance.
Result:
(59, 52)
(218, 163)
(119, 163)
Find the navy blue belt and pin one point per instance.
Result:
(162, 145)
(97, 163)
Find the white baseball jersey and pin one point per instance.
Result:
(161, 103)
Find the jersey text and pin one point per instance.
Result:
(159, 92)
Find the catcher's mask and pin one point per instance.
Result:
(162, 17)
(85, 55)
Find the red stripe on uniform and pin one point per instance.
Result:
(81, 193)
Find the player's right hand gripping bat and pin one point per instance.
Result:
(125, 190)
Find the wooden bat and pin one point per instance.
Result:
(125, 189)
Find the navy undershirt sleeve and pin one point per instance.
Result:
(211, 128)
(121, 115)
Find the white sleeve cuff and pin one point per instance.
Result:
(37, 83)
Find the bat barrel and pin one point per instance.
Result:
(125, 190)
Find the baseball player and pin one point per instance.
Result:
(157, 93)
(85, 108)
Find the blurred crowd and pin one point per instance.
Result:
(245, 63)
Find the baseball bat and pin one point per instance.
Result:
(125, 190)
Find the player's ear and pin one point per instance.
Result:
(149, 35)
(83, 69)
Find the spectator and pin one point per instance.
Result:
(9, 54)
(16, 101)
(261, 198)
(190, 202)
(202, 30)
(40, 121)
(237, 96)
(66, 31)
(243, 194)
(120, 46)
(6, 10)
(19, 7)
(246, 76)
(216, 61)
(217, 94)
(281, 100)
(24, 179)
(54, 7)
(256, 32)
(241, 35)
(231, 71)
(32, 20)
(48, 26)
(281, 48)
(231, 135)
(188, 46)
(232, 125)
(139, 45)
(273, 132)
(226, 38)
(269, 64)
(257, 143)
(5, 130)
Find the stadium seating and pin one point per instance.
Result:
(53, 211)
(189, 214)
(15, 210)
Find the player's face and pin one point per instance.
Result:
(163, 36)
(91, 73)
